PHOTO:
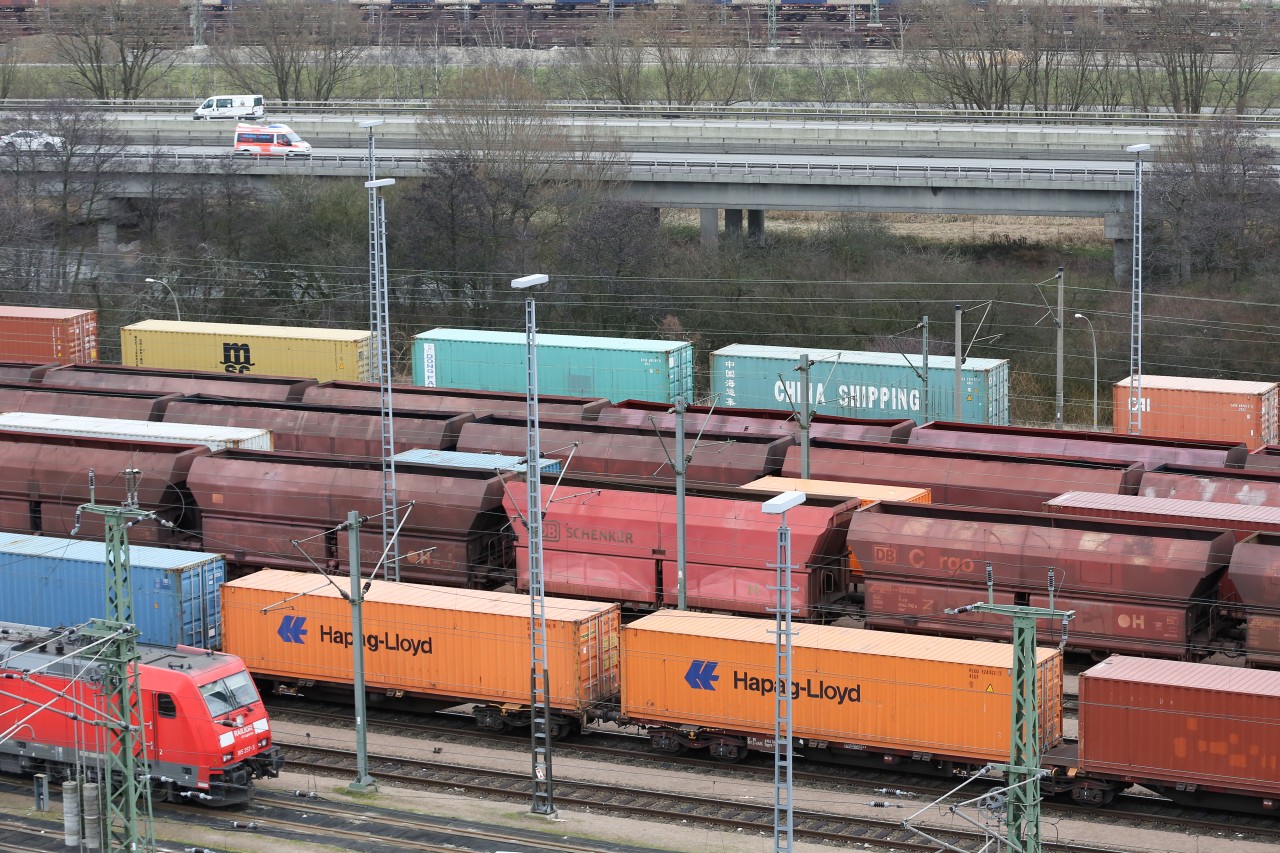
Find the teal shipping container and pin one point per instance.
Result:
(856, 384)
(573, 365)
(177, 595)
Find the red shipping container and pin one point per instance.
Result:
(48, 335)
(1168, 724)
(1208, 409)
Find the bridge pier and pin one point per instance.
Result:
(710, 230)
(733, 223)
(1118, 227)
(755, 226)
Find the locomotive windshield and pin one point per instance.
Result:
(229, 694)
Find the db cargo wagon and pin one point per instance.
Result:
(1189, 731)
(48, 335)
(212, 437)
(449, 645)
(705, 680)
(176, 594)
(615, 368)
(321, 354)
(858, 384)
(1210, 409)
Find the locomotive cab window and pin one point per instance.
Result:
(165, 706)
(229, 694)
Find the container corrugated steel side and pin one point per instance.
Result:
(213, 437)
(459, 644)
(892, 691)
(1181, 723)
(857, 384)
(866, 493)
(49, 581)
(322, 354)
(57, 335)
(1210, 409)
(615, 368)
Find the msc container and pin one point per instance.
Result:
(49, 335)
(321, 354)
(616, 368)
(1241, 518)
(865, 493)
(176, 597)
(1210, 409)
(858, 384)
(1171, 725)
(892, 692)
(450, 644)
(213, 437)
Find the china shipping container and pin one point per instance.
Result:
(447, 644)
(50, 335)
(1241, 518)
(212, 437)
(615, 368)
(1210, 409)
(321, 354)
(856, 384)
(50, 581)
(1191, 729)
(865, 493)
(892, 692)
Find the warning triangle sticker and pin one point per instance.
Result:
(990, 689)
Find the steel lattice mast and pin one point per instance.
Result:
(127, 824)
(1135, 311)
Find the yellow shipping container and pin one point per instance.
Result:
(323, 354)
(433, 642)
(867, 493)
(895, 692)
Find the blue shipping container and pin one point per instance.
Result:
(177, 595)
(856, 384)
(572, 365)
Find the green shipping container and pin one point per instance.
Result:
(573, 365)
(856, 384)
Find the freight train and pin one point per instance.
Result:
(1194, 732)
(207, 732)
(1165, 583)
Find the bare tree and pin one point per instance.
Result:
(295, 49)
(116, 48)
(1253, 37)
(1171, 52)
(698, 58)
(613, 67)
(972, 59)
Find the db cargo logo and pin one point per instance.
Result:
(236, 358)
(551, 531)
(883, 554)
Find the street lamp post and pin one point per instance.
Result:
(1094, 337)
(1135, 314)
(176, 310)
(540, 698)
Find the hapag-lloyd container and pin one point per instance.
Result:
(1213, 727)
(48, 335)
(857, 384)
(453, 644)
(323, 354)
(1209, 409)
(213, 437)
(616, 368)
(176, 594)
(896, 692)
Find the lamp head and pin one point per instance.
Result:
(1138, 149)
(1081, 317)
(782, 503)
(530, 281)
(374, 122)
(153, 281)
(381, 182)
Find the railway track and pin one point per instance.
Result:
(1129, 810)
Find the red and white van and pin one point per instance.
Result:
(269, 140)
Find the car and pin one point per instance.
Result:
(32, 140)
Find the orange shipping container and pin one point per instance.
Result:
(452, 644)
(867, 493)
(48, 335)
(1207, 409)
(895, 692)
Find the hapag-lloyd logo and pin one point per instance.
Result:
(701, 675)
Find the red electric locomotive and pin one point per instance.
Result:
(206, 731)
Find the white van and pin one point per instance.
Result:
(231, 106)
(269, 140)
